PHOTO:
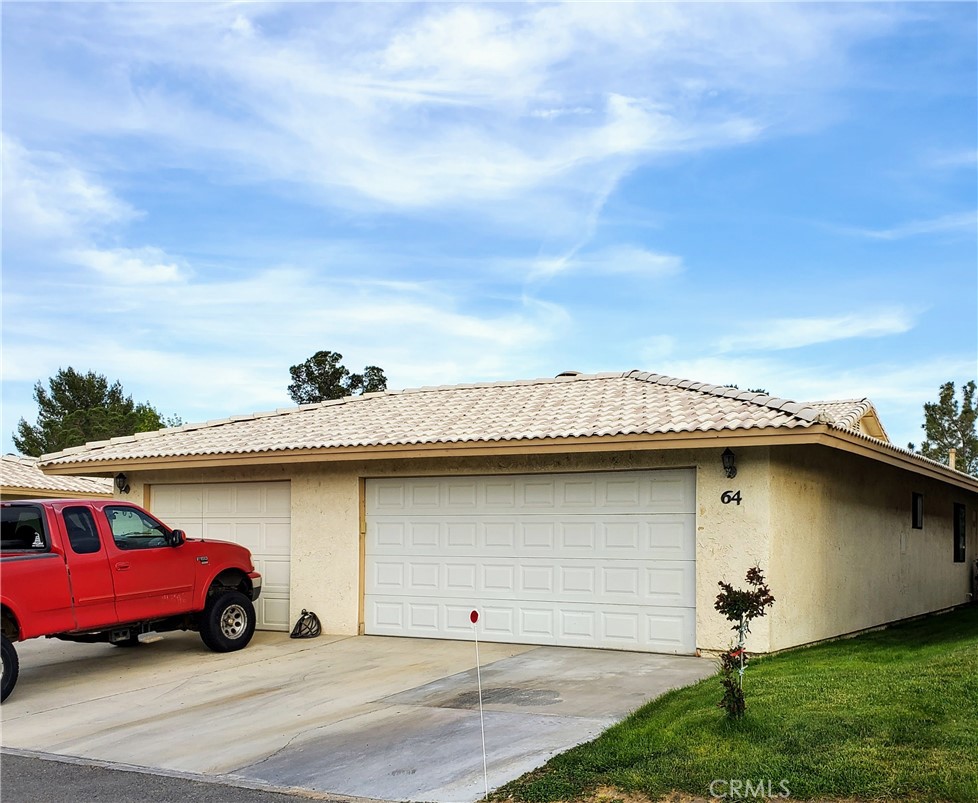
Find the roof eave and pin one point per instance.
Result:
(820, 434)
(524, 446)
(50, 493)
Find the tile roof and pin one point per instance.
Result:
(629, 403)
(22, 472)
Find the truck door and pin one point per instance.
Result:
(88, 568)
(152, 580)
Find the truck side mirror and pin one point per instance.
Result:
(176, 537)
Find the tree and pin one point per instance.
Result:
(324, 377)
(949, 425)
(79, 408)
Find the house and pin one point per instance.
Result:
(20, 478)
(587, 510)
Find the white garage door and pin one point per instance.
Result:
(598, 560)
(256, 515)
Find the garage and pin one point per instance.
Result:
(256, 515)
(604, 559)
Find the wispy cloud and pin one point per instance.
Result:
(966, 158)
(778, 334)
(47, 198)
(421, 107)
(959, 222)
(129, 266)
(619, 259)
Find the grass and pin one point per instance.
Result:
(888, 715)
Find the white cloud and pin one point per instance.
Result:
(128, 266)
(777, 334)
(49, 200)
(966, 158)
(960, 222)
(210, 349)
(619, 259)
(418, 107)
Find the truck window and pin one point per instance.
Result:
(133, 529)
(82, 533)
(22, 529)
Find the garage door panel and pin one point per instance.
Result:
(670, 538)
(278, 500)
(424, 535)
(545, 623)
(622, 492)
(423, 617)
(664, 537)
(670, 629)
(255, 515)
(618, 582)
(602, 559)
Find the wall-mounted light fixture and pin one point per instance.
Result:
(122, 482)
(729, 463)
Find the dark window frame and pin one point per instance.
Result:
(960, 531)
(151, 535)
(917, 511)
(17, 519)
(83, 537)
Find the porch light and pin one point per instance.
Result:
(122, 482)
(729, 463)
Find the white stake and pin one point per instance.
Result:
(474, 616)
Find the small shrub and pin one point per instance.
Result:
(740, 606)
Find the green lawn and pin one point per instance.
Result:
(888, 715)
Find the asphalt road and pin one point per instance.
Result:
(28, 779)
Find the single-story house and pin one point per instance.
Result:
(584, 510)
(20, 478)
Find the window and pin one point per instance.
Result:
(917, 511)
(133, 529)
(22, 529)
(960, 531)
(82, 533)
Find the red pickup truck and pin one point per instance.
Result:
(104, 570)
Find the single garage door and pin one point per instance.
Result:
(256, 515)
(596, 560)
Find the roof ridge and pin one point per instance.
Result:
(803, 410)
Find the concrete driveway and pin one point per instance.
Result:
(371, 717)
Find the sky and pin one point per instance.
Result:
(197, 196)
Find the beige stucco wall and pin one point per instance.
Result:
(326, 560)
(825, 526)
(844, 556)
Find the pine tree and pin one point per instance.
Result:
(79, 408)
(949, 424)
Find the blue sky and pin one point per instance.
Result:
(197, 196)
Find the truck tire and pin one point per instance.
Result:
(11, 667)
(228, 622)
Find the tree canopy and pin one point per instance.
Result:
(949, 424)
(324, 377)
(78, 408)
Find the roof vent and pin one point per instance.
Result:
(567, 373)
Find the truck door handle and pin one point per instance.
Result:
(121, 566)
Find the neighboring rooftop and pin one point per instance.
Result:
(20, 477)
(567, 406)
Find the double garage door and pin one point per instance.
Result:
(256, 515)
(598, 560)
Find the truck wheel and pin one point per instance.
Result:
(11, 667)
(228, 622)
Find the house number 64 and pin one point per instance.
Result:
(730, 496)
